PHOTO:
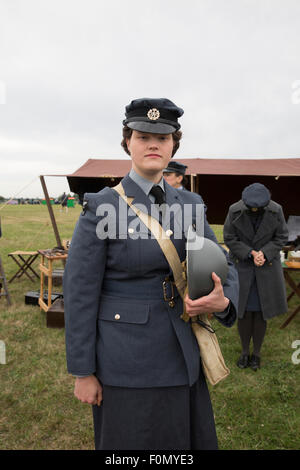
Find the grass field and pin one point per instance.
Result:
(38, 411)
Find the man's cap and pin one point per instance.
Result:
(256, 195)
(175, 167)
(155, 115)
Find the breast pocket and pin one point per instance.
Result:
(128, 250)
(142, 250)
(137, 251)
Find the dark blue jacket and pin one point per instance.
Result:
(117, 323)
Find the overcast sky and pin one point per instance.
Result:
(68, 68)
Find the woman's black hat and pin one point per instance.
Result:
(155, 115)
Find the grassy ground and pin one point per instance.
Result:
(38, 411)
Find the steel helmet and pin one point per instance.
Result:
(203, 257)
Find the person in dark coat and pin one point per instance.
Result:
(64, 202)
(135, 360)
(255, 231)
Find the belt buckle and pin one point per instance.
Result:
(170, 300)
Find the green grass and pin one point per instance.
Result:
(38, 410)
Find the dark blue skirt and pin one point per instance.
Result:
(164, 418)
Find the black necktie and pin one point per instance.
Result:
(159, 195)
(159, 198)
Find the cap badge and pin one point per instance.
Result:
(153, 114)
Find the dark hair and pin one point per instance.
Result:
(184, 180)
(127, 133)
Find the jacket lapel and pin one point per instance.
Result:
(139, 197)
(268, 224)
(174, 203)
(243, 224)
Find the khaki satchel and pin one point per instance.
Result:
(212, 359)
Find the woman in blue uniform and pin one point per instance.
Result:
(135, 360)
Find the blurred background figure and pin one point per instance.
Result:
(64, 202)
(174, 175)
(255, 231)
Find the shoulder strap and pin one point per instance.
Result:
(164, 242)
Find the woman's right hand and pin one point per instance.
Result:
(88, 390)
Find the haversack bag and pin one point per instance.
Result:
(213, 362)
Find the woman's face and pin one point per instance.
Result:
(150, 153)
(173, 180)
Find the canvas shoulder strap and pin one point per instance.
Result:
(164, 242)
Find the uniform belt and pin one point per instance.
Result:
(144, 288)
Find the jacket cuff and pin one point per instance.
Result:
(228, 317)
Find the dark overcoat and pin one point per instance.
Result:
(271, 236)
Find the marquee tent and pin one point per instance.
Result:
(219, 181)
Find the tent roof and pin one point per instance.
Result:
(101, 168)
(220, 181)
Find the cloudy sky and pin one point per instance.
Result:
(68, 68)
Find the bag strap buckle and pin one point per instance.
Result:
(165, 284)
(205, 325)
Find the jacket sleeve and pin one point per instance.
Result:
(238, 248)
(231, 291)
(279, 238)
(82, 287)
(231, 286)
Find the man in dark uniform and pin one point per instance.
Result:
(174, 174)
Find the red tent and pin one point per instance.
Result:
(219, 181)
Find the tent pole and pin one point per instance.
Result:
(53, 221)
(193, 183)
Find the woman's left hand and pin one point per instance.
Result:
(213, 302)
(259, 259)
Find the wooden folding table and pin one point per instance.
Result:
(48, 271)
(54, 311)
(24, 259)
(295, 291)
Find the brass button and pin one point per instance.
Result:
(117, 316)
(172, 304)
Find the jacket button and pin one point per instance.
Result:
(169, 233)
(117, 316)
(270, 264)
